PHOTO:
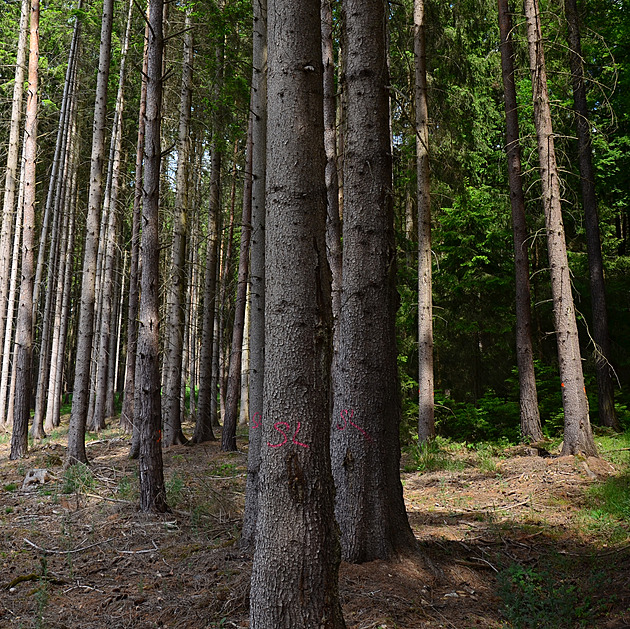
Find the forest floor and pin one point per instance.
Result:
(506, 539)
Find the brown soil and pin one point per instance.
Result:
(88, 559)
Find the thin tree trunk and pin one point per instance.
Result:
(78, 417)
(257, 272)
(530, 416)
(24, 327)
(601, 338)
(228, 442)
(243, 415)
(148, 404)
(127, 414)
(8, 207)
(578, 437)
(295, 570)
(177, 289)
(426, 409)
(365, 445)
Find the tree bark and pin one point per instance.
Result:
(601, 338)
(81, 390)
(257, 271)
(24, 327)
(530, 416)
(148, 403)
(295, 570)
(365, 446)
(426, 408)
(578, 437)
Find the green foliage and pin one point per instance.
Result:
(431, 456)
(77, 478)
(532, 598)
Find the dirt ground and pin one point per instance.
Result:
(500, 538)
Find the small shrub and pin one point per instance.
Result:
(77, 479)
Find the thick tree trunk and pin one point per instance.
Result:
(295, 571)
(365, 444)
(530, 416)
(578, 437)
(24, 327)
(228, 437)
(604, 371)
(257, 271)
(426, 408)
(148, 403)
(81, 390)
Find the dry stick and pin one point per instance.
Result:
(65, 552)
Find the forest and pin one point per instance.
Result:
(315, 314)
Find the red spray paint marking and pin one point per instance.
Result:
(286, 437)
(348, 420)
(256, 422)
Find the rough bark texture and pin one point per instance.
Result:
(295, 571)
(24, 327)
(148, 403)
(173, 433)
(578, 437)
(257, 270)
(228, 438)
(604, 371)
(530, 416)
(365, 446)
(426, 408)
(81, 390)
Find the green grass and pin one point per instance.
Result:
(77, 479)
(433, 456)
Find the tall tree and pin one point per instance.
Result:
(148, 412)
(601, 338)
(174, 328)
(295, 570)
(24, 327)
(81, 390)
(578, 437)
(530, 415)
(426, 408)
(365, 446)
(257, 270)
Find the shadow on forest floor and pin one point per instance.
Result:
(525, 543)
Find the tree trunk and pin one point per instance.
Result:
(228, 437)
(148, 404)
(177, 289)
(24, 327)
(127, 413)
(530, 416)
(257, 271)
(365, 443)
(426, 409)
(295, 570)
(78, 417)
(578, 437)
(8, 207)
(243, 413)
(604, 371)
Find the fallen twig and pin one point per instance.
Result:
(65, 552)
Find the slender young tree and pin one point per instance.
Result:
(530, 416)
(601, 338)
(228, 438)
(426, 408)
(81, 390)
(257, 271)
(148, 412)
(295, 570)
(24, 327)
(365, 445)
(177, 289)
(578, 437)
(11, 172)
